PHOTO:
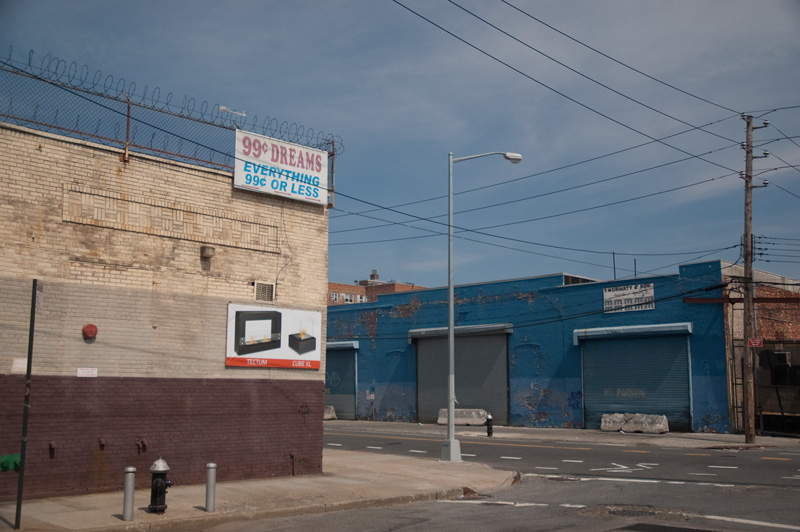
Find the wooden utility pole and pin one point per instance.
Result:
(748, 395)
(748, 376)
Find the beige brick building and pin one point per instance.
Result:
(127, 247)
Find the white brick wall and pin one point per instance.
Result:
(118, 245)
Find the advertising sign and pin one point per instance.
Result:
(272, 166)
(266, 337)
(629, 298)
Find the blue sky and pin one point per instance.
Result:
(402, 93)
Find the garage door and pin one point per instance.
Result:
(481, 375)
(637, 375)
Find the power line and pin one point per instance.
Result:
(536, 196)
(584, 75)
(544, 172)
(616, 60)
(556, 91)
(479, 231)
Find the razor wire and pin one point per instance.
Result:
(53, 96)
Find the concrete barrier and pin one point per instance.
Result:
(464, 416)
(648, 424)
(329, 413)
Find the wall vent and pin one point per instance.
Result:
(264, 291)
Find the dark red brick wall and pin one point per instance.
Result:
(249, 428)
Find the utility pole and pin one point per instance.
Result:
(748, 396)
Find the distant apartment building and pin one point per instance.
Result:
(366, 290)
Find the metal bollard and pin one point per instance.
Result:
(211, 486)
(489, 430)
(127, 499)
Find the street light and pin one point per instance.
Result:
(451, 449)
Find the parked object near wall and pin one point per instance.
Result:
(647, 424)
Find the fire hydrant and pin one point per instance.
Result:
(158, 487)
(489, 430)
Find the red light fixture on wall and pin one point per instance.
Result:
(89, 331)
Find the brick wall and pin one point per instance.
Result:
(250, 429)
(118, 245)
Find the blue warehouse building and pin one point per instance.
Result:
(548, 351)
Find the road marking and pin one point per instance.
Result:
(335, 444)
(416, 451)
(643, 452)
(773, 458)
(573, 461)
(524, 504)
(469, 455)
(550, 468)
(722, 467)
(675, 482)
(511, 458)
(697, 454)
(618, 468)
(796, 477)
(791, 454)
(370, 447)
(635, 480)
(572, 505)
(750, 522)
(496, 503)
(704, 474)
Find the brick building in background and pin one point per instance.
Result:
(366, 290)
(154, 253)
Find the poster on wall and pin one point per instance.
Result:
(266, 337)
(629, 298)
(272, 166)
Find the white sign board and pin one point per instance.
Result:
(629, 298)
(272, 166)
(267, 337)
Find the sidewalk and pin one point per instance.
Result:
(350, 479)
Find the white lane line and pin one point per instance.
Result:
(795, 477)
(550, 468)
(750, 522)
(722, 467)
(572, 461)
(469, 455)
(637, 480)
(525, 504)
(572, 505)
(704, 474)
(370, 447)
(335, 444)
(497, 503)
(416, 451)
(675, 482)
(511, 457)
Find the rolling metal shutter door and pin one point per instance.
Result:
(637, 376)
(340, 382)
(481, 376)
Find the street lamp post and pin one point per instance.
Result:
(451, 449)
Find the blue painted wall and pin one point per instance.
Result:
(544, 365)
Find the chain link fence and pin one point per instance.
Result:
(49, 94)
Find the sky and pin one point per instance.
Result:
(626, 113)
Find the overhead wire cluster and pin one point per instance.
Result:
(429, 226)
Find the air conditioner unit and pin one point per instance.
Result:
(263, 291)
(783, 358)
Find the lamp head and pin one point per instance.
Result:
(515, 158)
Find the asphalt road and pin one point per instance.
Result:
(750, 467)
